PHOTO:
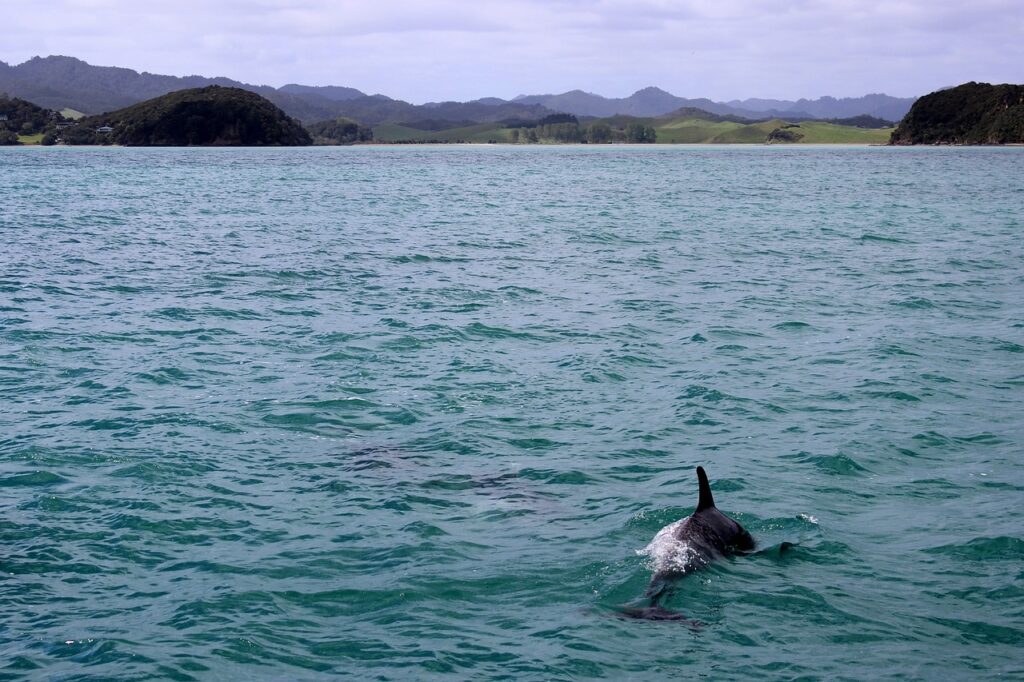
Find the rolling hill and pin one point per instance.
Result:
(972, 113)
(210, 116)
(687, 126)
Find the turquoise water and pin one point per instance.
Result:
(408, 413)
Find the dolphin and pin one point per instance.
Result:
(686, 546)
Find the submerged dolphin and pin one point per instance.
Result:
(687, 546)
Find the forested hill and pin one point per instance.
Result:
(972, 113)
(18, 117)
(214, 116)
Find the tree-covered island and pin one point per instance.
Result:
(209, 116)
(972, 113)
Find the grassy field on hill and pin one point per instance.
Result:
(482, 132)
(698, 131)
(686, 130)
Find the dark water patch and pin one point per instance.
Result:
(281, 295)
(350, 353)
(914, 303)
(317, 423)
(519, 292)
(125, 289)
(981, 632)
(424, 258)
(733, 333)
(164, 375)
(813, 606)
(534, 443)
(901, 396)
(938, 378)
(929, 489)
(52, 504)
(707, 394)
(869, 237)
(94, 652)
(556, 477)
(890, 350)
(32, 479)
(794, 326)
(824, 553)
(478, 329)
(168, 468)
(15, 565)
(983, 549)
(1010, 347)
(838, 464)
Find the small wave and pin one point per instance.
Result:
(838, 464)
(557, 477)
(32, 479)
(895, 395)
(164, 375)
(480, 329)
(792, 326)
(914, 303)
(1000, 548)
(869, 237)
(731, 332)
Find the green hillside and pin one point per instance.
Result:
(820, 132)
(22, 122)
(213, 115)
(481, 133)
(972, 113)
(691, 130)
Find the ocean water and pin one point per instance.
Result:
(409, 412)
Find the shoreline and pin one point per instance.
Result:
(512, 145)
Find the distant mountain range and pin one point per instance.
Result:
(65, 82)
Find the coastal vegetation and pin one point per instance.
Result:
(972, 113)
(688, 126)
(210, 116)
(339, 131)
(22, 122)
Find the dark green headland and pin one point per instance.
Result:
(972, 113)
(210, 116)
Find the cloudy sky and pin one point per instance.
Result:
(455, 49)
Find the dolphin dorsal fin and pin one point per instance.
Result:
(706, 501)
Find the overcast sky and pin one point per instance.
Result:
(451, 49)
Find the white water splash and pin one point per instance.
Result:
(667, 553)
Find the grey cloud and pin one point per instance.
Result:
(450, 49)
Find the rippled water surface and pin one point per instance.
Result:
(405, 413)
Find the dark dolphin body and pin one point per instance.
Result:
(687, 546)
